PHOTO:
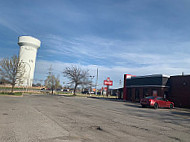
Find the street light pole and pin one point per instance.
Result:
(91, 83)
(96, 81)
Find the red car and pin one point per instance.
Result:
(156, 102)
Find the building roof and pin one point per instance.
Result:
(153, 75)
(157, 80)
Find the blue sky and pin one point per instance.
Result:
(139, 37)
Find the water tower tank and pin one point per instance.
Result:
(28, 50)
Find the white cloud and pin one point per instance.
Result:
(118, 52)
(8, 23)
(115, 73)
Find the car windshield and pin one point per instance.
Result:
(150, 97)
(159, 98)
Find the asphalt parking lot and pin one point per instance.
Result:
(47, 118)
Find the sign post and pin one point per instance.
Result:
(108, 82)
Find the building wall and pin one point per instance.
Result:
(180, 90)
(134, 94)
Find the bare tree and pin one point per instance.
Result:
(77, 76)
(51, 81)
(2, 80)
(12, 70)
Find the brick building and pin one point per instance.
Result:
(174, 88)
(180, 90)
(142, 86)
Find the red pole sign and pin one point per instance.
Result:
(108, 82)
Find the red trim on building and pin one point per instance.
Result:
(124, 85)
(124, 88)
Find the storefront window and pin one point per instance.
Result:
(145, 92)
(154, 93)
(129, 95)
(137, 95)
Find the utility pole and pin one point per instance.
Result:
(96, 81)
(120, 82)
(91, 83)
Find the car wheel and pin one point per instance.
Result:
(171, 106)
(155, 106)
(143, 106)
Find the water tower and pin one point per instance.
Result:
(28, 50)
